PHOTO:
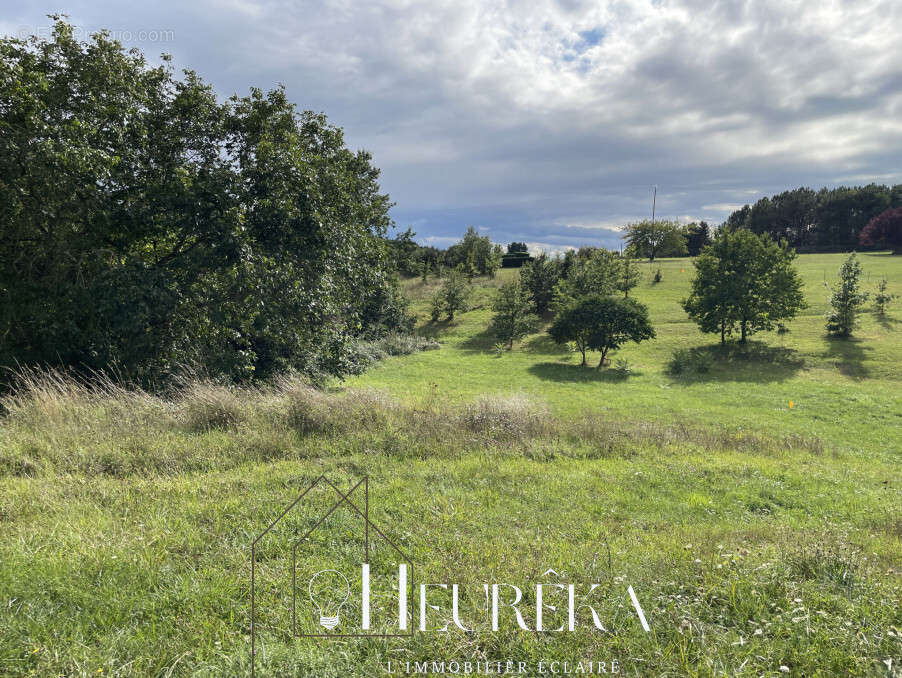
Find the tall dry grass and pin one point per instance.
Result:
(53, 421)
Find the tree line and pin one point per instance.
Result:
(827, 220)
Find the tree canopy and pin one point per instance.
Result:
(513, 317)
(601, 323)
(144, 223)
(744, 281)
(830, 219)
(884, 230)
(655, 239)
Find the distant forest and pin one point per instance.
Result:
(828, 220)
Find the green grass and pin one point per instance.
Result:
(844, 391)
(756, 537)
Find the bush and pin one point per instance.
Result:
(623, 367)
(883, 299)
(685, 361)
(366, 353)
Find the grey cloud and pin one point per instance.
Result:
(479, 112)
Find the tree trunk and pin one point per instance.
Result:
(742, 328)
(723, 332)
(604, 353)
(583, 349)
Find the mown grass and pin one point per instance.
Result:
(756, 536)
(844, 391)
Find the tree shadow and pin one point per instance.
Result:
(564, 372)
(482, 341)
(432, 330)
(847, 354)
(544, 344)
(886, 322)
(753, 361)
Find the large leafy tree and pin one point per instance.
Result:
(744, 282)
(884, 230)
(600, 323)
(144, 223)
(655, 239)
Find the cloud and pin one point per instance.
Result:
(550, 121)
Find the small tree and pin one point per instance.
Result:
(598, 272)
(630, 275)
(452, 296)
(745, 281)
(493, 261)
(602, 324)
(883, 299)
(846, 300)
(513, 314)
(884, 229)
(538, 277)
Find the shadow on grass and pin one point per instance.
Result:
(847, 354)
(544, 344)
(433, 330)
(576, 373)
(886, 322)
(480, 342)
(753, 361)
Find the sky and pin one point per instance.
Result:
(550, 121)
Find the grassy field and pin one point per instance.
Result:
(761, 539)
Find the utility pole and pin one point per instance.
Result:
(654, 200)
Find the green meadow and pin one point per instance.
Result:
(761, 538)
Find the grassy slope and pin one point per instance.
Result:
(125, 523)
(845, 391)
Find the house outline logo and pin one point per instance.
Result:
(344, 499)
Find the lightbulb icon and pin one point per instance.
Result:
(329, 590)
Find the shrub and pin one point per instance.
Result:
(883, 299)
(623, 367)
(679, 361)
(685, 361)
